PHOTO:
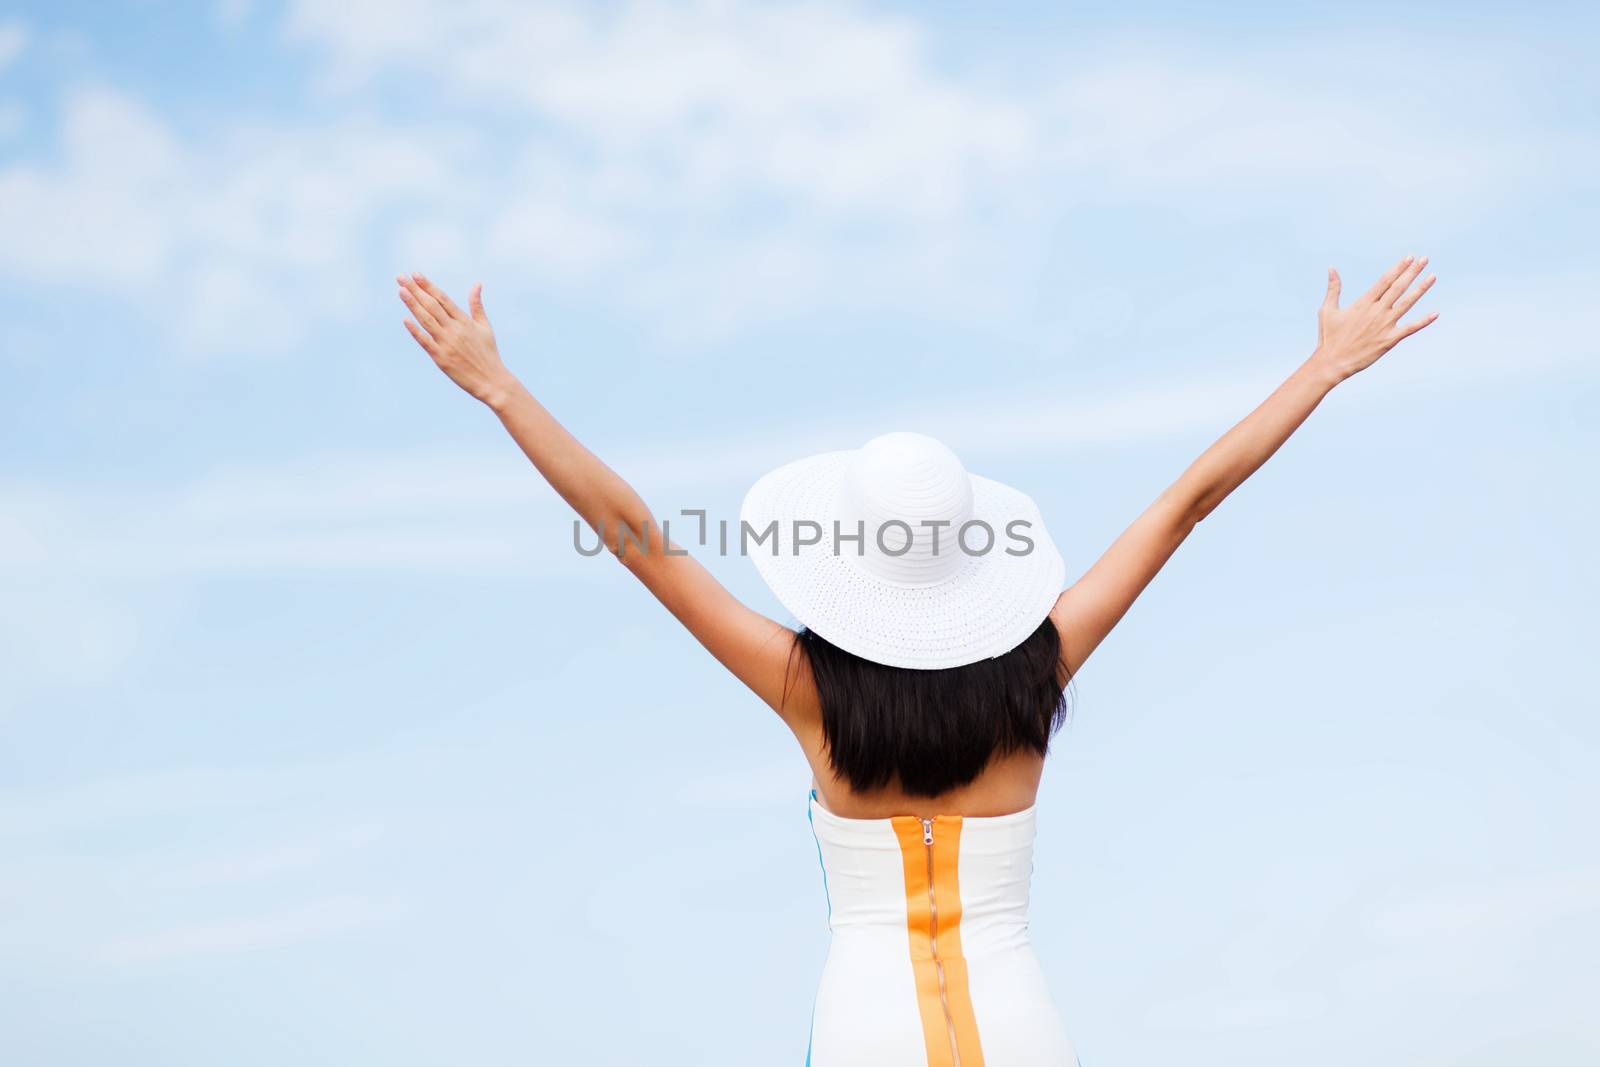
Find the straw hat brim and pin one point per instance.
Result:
(988, 606)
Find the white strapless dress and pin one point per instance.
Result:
(929, 962)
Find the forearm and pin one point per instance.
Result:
(1236, 455)
(597, 493)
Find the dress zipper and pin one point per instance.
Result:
(933, 941)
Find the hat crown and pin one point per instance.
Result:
(909, 495)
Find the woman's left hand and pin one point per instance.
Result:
(462, 345)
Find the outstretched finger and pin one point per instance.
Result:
(422, 338)
(1426, 320)
(1380, 286)
(1409, 300)
(1331, 301)
(413, 300)
(475, 302)
(426, 300)
(1402, 283)
(440, 295)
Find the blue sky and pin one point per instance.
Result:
(322, 746)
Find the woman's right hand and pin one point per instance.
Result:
(1351, 339)
(461, 345)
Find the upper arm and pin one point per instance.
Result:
(1088, 610)
(760, 652)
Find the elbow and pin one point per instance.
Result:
(639, 541)
(1186, 510)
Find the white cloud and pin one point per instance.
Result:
(699, 161)
(256, 862)
(255, 933)
(67, 554)
(102, 216)
(46, 811)
(556, 242)
(489, 514)
(215, 240)
(13, 39)
(712, 164)
(768, 785)
(828, 105)
(1234, 1009)
(1512, 906)
(183, 842)
(61, 630)
(232, 13)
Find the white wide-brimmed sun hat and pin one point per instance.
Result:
(894, 553)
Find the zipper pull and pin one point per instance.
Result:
(927, 831)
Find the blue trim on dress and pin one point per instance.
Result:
(810, 1032)
(813, 823)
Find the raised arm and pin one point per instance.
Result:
(1349, 340)
(755, 648)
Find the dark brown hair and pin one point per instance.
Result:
(935, 730)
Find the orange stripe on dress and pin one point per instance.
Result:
(960, 1028)
(958, 989)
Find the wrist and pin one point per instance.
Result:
(502, 394)
(1323, 368)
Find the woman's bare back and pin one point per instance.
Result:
(1009, 784)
